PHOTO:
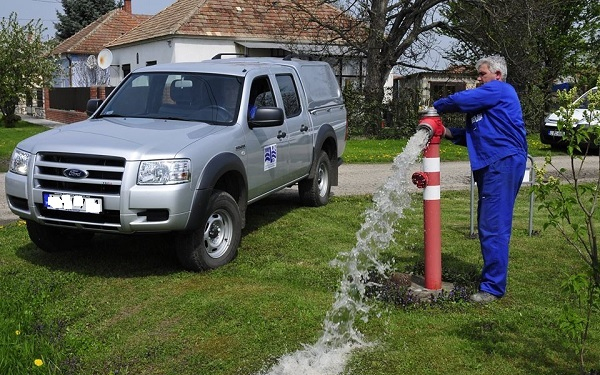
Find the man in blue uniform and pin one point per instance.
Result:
(497, 146)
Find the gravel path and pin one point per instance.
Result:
(367, 178)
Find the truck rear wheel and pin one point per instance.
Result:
(54, 239)
(315, 191)
(216, 242)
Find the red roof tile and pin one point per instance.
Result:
(267, 20)
(95, 36)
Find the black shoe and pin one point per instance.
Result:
(483, 297)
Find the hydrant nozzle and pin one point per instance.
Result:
(432, 123)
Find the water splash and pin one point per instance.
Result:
(328, 356)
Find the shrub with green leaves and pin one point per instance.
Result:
(572, 207)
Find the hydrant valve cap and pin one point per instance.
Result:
(420, 179)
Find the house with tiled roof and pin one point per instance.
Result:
(427, 87)
(78, 53)
(194, 30)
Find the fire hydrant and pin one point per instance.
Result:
(429, 180)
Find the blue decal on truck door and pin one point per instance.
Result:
(270, 157)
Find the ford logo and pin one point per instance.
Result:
(75, 173)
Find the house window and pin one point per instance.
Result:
(442, 89)
(149, 63)
(278, 52)
(126, 69)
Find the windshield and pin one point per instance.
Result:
(210, 98)
(583, 101)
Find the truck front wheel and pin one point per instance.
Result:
(216, 242)
(315, 191)
(54, 239)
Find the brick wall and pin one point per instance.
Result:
(69, 117)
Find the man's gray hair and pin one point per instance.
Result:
(495, 63)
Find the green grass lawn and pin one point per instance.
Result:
(9, 137)
(123, 306)
(384, 150)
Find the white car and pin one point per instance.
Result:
(550, 135)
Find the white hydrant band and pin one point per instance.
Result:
(432, 193)
(431, 164)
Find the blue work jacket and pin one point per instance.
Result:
(494, 124)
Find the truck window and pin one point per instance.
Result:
(261, 94)
(210, 98)
(289, 93)
(583, 100)
(322, 87)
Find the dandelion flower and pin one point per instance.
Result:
(38, 362)
(17, 332)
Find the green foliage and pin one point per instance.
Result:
(572, 209)
(396, 118)
(542, 41)
(80, 13)
(576, 316)
(24, 64)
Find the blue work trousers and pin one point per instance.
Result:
(497, 186)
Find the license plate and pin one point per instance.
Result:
(555, 133)
(73, 203)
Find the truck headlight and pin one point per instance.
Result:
(164, 172)
(19, 162)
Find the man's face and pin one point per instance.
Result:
(484, 75)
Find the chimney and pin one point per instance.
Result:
(127, 6)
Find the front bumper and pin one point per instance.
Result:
(135, 209)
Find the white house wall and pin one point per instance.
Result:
(140, 55)
(167, 51)
(190, 50)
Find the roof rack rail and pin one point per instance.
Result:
(300, 56)
(219, 55)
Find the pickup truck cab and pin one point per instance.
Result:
(183, 148)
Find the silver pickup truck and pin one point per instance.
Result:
(183, 148)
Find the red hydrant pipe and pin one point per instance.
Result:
(430, 178)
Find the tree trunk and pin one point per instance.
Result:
(10, 118)
(376, 67)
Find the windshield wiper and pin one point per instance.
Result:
(172, 118)
(111, 115)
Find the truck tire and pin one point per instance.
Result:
(315, 191)
(54, 239)
(216, 242)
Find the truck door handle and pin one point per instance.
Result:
(281, 134)
(303, 128)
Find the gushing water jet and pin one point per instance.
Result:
(328, 356)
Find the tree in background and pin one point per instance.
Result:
(387, 33)
(80, 13)
(542, 41)
(24, 64)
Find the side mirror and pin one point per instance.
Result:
(266, 117)
(92, 106)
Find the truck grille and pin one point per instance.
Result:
(104, 173)
(107, 217)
